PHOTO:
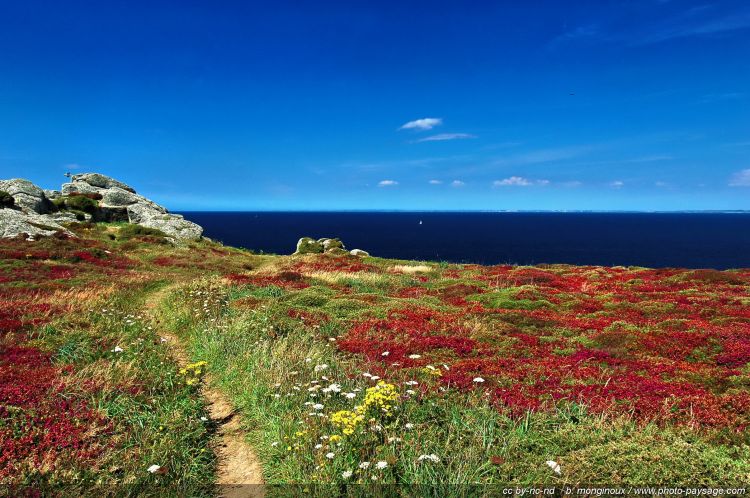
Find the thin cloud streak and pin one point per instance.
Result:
(387, 183)
(691, 23)
(740, 179)
(441, 137)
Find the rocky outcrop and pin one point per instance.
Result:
(107, 198)
(15, 222)
(100, 181)
(28, 197)
(120, 202)
(334, 247)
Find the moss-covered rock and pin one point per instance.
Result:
(330, 244)
(308, 245)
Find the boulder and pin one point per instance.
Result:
(117, 196)
(100, 181)
(329, 244)
(337, 251)
(308, 245)
(359, 252)
(52, 194)
(28, 197)
(79, 188)
(175, 226)
(14, 223)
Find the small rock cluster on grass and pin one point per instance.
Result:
(27, 209)
(334, 247)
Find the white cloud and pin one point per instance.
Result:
(441, 137)
(740, 179)
(457, 183)
(661, 184)
(435, 182)
(387, 183)
(73, 166)
(616, 184)
(513, 181)
(422, 124)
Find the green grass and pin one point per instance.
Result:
(156, 418)
(475, 444)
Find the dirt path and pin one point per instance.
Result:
(239, 473)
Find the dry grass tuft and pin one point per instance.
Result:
(412, 269)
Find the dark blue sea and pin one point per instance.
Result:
(689, 240)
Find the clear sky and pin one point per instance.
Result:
(641, 105)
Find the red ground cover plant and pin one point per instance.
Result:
(327, 263)
(663, 345)
(40, 428)
(284, 280)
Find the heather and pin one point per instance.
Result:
(357, 369)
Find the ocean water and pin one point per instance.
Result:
(689, 240)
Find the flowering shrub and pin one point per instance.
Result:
(193, 373)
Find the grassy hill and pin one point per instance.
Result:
(363, 370)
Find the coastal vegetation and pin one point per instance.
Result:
(347, 369)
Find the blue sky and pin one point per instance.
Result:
(634, 105)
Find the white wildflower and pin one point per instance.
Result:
(431, 457)
(330, 455)
(364, 465)
(346, 474)
(409, 426)
(478, 380)
(318, 406)
(154, 468)
(385, 353)
(321, 367)
(381, 464)
(350, 395)
(415, 356)
(554, 466)
(117, 349)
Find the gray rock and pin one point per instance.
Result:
(52, 194)
(14, 223)
(308, 245)
(64, 217)
(174, 226)
(79, 188)
(28, 197)
(359, 252)
(101, 181)
(117, 196)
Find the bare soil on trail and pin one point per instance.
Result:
(239, 473)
